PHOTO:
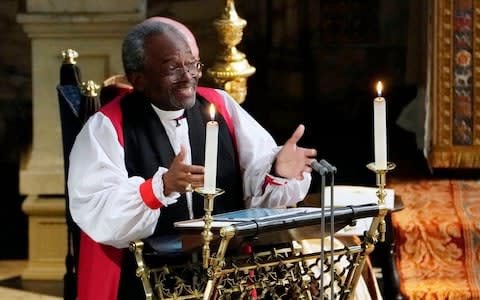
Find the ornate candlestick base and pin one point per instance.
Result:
(208, 200)
(377, 229)
(381, 175)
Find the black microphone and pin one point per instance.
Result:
(323, 167)
(329, 167)
(318, 167)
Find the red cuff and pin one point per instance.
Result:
(148, 197)
(271, 180)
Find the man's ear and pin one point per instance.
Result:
(137, 79)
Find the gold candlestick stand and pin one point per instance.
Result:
(381, 175)
(208, 200)
(231, 69)
(377, 229)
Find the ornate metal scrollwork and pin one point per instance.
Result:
(275, 273)
(283, 269)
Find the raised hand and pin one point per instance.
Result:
(181, 177)
(292, 160)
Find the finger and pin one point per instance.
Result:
(195, 169)
(197, 185)
(297, 134)
(182, 185)
(196, 179)
(308, 152)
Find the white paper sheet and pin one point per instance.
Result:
(344, 195)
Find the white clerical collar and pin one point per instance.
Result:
(166, 115)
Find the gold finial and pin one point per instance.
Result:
(90, 102)
(231, 69)
(90, 88)
(69, 56)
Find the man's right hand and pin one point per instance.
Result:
(181, 177)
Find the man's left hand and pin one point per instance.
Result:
(292, 160)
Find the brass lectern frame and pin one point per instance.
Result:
(279, 272)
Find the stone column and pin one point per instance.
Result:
(95, 29)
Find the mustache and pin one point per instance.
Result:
(185, 83)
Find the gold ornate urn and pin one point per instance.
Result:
(231, 69)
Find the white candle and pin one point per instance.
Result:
(380, 129)
(211, 148)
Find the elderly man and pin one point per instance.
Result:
(135, 161)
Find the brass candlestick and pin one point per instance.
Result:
(377, 229)
(381, 175)
(231, 69)
(208, 200)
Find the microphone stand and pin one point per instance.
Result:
(331, 170)
(324, 168)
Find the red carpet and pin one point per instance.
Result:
(438, 239)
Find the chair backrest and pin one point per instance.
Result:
(77, 102)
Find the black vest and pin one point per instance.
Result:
(147, 147)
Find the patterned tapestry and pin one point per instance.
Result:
(438, 239)
(463, 79)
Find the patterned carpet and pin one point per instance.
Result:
(438, 239)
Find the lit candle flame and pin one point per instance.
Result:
(379, 88)
(212, 112)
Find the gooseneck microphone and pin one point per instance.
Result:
(318, 167)
(328, 166)
(325, 168)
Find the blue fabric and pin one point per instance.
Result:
(70, 95)
(69, 99)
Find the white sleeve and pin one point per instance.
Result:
(104, 201)
(257, 151)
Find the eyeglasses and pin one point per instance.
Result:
(176, 71)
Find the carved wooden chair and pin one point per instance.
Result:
(77, 100)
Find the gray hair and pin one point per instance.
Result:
(133, 48)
